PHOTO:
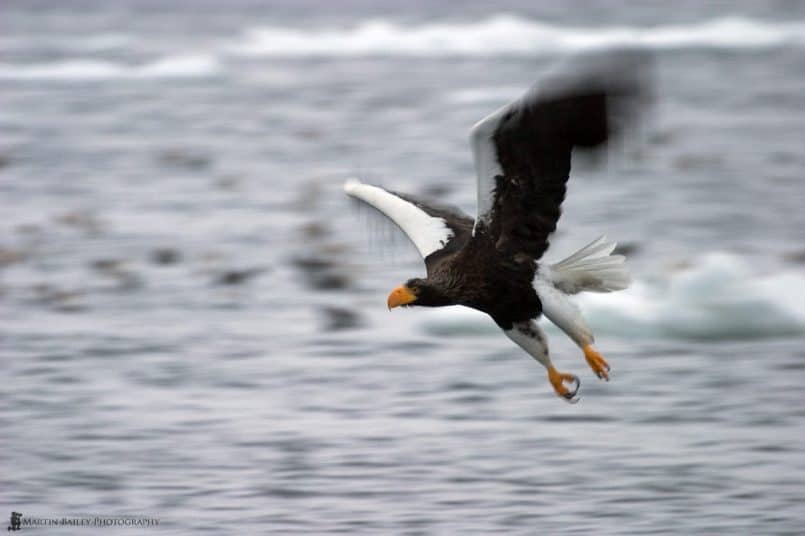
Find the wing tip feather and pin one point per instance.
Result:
(351, 185)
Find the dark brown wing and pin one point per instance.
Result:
(532, 139)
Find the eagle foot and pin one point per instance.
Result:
(596, 362)
(566, 385)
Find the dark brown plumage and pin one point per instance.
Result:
(478, 275)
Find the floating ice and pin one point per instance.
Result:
(719, 298)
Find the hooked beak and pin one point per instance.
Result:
(401, 296)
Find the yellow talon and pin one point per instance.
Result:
(596, 362)
(558, 380)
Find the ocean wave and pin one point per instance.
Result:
(84, 43)
(719, 298)
(509, 34)
(178, 66)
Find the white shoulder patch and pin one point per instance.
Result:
(428, 233)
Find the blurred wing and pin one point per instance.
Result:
(522, 151)
(433, 229)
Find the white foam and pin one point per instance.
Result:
(719, 298)
(80, 43)
(509, 34)
(179, 66)
(65, 70)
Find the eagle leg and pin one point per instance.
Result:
(596, 362)
(566, 385)
(529, 336)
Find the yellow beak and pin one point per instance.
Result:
(400, 296)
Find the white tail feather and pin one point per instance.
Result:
(592, 269)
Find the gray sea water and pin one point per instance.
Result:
(192, 314)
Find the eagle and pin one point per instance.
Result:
(522, 157)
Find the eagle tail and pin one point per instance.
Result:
(593, 268)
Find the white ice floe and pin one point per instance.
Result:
(719, 298)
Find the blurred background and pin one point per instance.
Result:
(192, 314)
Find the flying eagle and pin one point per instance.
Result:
(522, 155)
